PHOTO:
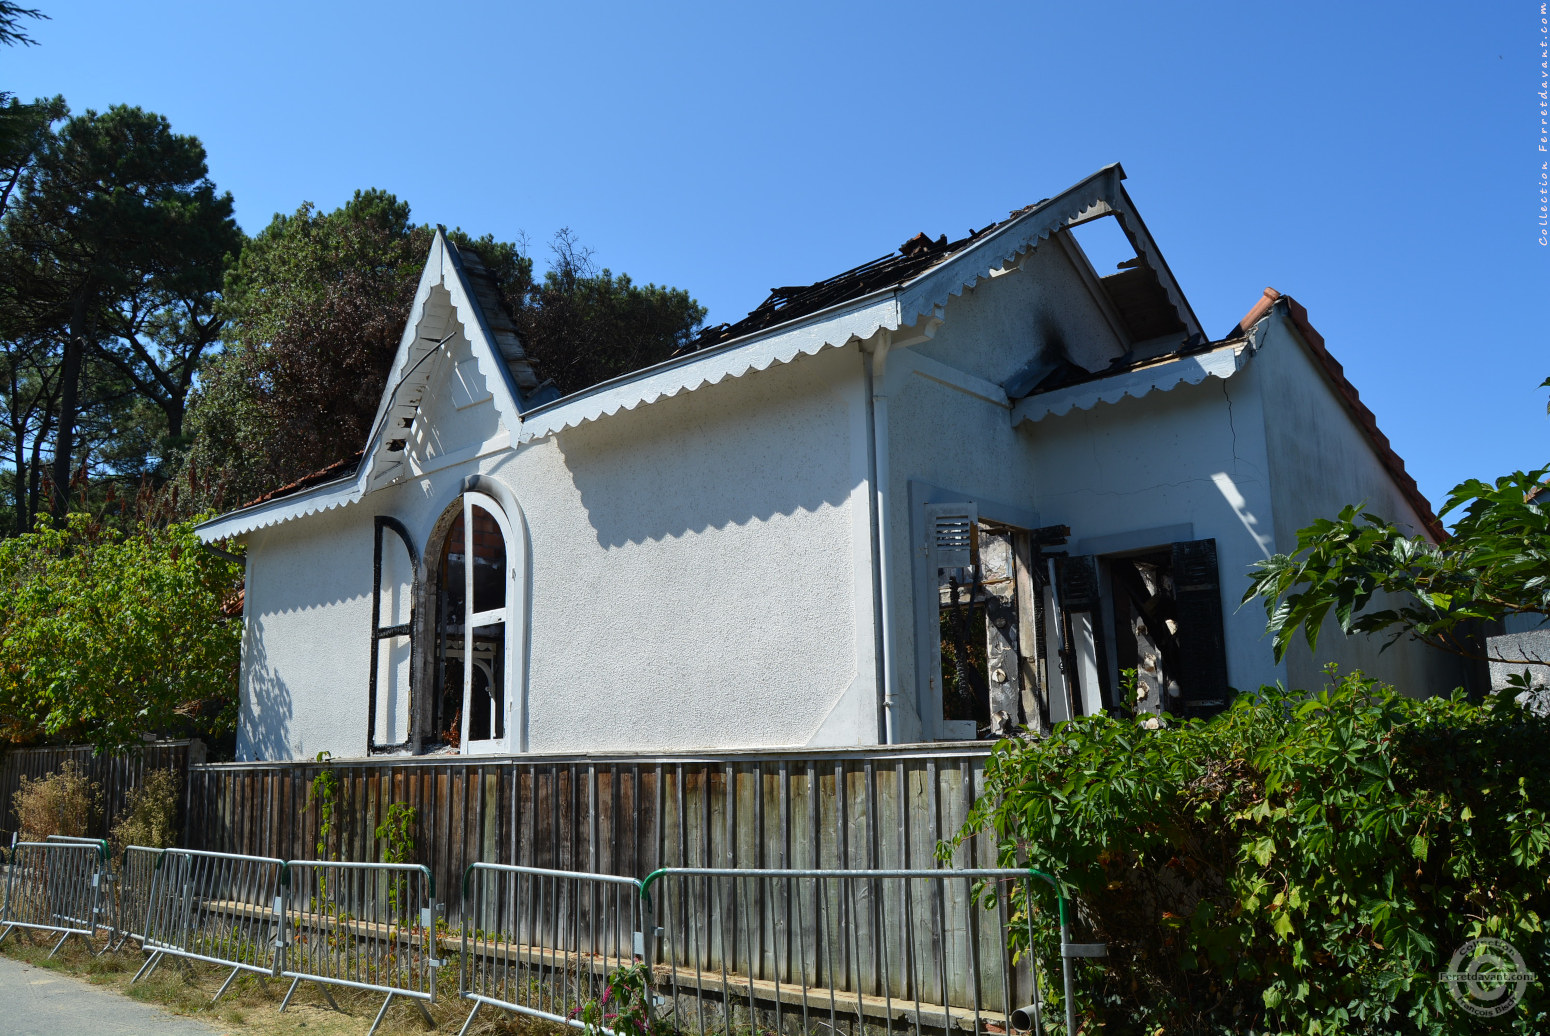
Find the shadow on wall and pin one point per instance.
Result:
(722, 456)
(264, 727)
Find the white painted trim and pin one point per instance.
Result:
(1222, 362)
(311, 501)
(923, 297)
(856, 320)
(506, 615)
(953, 378)
(496, 443)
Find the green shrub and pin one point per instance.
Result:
(150, 814)
(1300, 864)
(61, 803)
(107, 635)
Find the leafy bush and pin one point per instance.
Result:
(61, 803)
(150, 814)
(1297, 865)
(106, 635)
(396, 832)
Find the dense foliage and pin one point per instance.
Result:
(106, 635)
(1297, 865)
(111, 251)
(1496, 563)
(582, 325)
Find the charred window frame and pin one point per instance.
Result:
(1016, 629)
(979, 639)
(1157, 611)
(405, 595)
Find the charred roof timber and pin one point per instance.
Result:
(914, 257)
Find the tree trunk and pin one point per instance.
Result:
(35, 470)
(69, 402)
(18, 427)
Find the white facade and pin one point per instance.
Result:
(743, 548)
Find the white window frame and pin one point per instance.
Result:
(504, 615)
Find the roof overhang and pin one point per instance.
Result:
(1221, 361)
(326, 497)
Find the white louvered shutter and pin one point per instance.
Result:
(951, 528)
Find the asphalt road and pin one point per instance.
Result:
(38, 1002)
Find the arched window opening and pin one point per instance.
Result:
(473, 629)
(395, 585)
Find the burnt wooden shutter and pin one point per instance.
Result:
(1078, 583)
(1197, 592)
(1079, 591)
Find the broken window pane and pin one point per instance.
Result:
(486, 698)
(471, 633)
(488, 558)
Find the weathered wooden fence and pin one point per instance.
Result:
(116, 774)
(625, 815)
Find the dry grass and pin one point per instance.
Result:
(252, 1005)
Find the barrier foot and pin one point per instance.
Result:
(58, 944)
(225, 985)
(6, 932)
(372, 1031)
(148, 967)
(289, 992)
(470, 1019)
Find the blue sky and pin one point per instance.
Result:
(1380, 165)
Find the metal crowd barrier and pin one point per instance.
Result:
(869, 951)
(54, 887)
(216, 907)
(365, 925)
(136, 874)
(107, 897)
(544, 942)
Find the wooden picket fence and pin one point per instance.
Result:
(624, 815)
(115, 774)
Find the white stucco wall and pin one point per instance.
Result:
(1320, 461)
(306, 648)
(697, 575)
(1190, 457)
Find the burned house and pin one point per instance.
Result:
(970, 487)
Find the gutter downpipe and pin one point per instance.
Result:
(874, 361)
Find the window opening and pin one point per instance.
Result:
(1155, 612)
(988, 580)
(395, 585)
(473, 628)
(1146, 628)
